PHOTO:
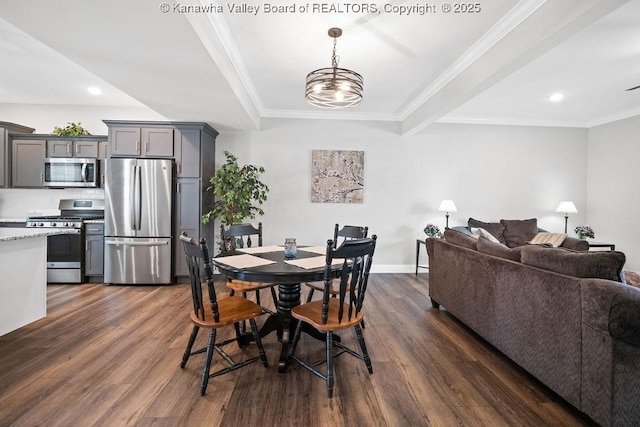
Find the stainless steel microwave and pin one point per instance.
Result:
(71, 172)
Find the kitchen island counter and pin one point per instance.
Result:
(23, 288)
(8, 234)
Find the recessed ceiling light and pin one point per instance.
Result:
(556, 97)
(93, 90)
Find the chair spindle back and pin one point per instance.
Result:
(198, 258)
(349, 232)
(358, 256)
(238, 236)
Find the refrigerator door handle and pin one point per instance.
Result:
(139, 198)
(132, 199)
(129, 243)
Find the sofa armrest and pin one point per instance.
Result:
(624, 318)
(575, 244)
(612, 308)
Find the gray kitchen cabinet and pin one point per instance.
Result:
(71, 148)
(5, 150)
(94, 250)
(127, 141)
(188, 210)
(187, 150)
(27, 163)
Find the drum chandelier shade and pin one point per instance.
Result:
(334, 87)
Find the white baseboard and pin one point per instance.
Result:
(396, 268)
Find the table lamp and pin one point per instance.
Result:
(566, 207)
(447, 206)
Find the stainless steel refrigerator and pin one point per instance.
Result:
(137, 221)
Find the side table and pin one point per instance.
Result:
(611, 246)
(418, 243)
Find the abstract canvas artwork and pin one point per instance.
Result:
(337, 176)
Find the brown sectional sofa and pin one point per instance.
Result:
(580, 336)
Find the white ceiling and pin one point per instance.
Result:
(231, 69)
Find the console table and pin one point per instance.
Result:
(418, 243)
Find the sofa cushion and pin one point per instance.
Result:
(481, 232)
(460, 239)
(518, 232)
(553, 239)
(498, 249)
(495, 228)
(601, 265)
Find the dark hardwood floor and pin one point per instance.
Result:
(110, 356)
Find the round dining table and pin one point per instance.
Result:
(289, 278)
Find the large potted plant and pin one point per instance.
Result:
(238, 193)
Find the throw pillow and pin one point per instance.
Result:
(481, 232)
(460, 239)
(495, 228)
(600, 265)
(518, 232)
(498, 249)
(554, 239)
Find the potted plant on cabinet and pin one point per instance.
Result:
(238, 193)
(72, 129)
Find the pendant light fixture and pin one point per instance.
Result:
(334, 87)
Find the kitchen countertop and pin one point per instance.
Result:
(7, 234)
(94, 221)
(13, 219)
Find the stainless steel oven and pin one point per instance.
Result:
(65, 257)
(65, 252)
(71, 172)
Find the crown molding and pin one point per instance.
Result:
(214, 33)
(508, 121)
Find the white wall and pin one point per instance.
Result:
(491, 172)
(43, 118)
(613, 192)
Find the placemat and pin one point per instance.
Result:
(262, 249)
(322, 250)
(243, 261)
(313, 262)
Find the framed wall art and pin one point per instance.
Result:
(337, 176)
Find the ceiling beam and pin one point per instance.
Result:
(551, 23)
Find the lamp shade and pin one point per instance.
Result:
(447, 206)
(567, 207)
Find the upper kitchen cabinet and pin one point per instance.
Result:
(130, 140)
(29, 151)
(72, 148)
(194, 151)
(27, 162)
(5, 149)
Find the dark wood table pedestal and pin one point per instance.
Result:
(284, 324)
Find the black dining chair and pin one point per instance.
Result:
(215, 314)
(239, 236)
(347, 232)
(344, 312)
